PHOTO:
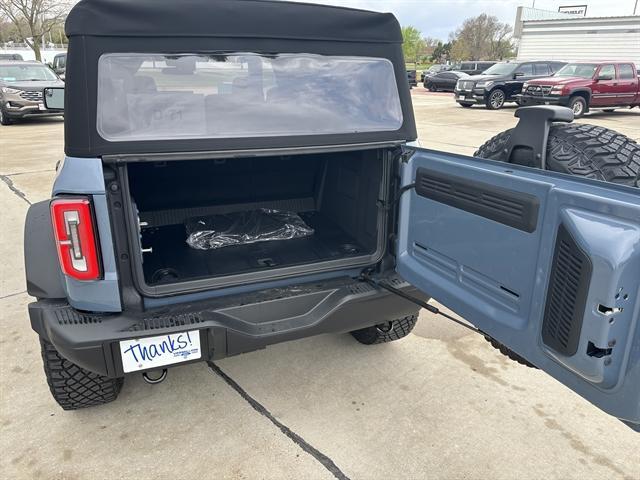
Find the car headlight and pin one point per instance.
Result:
(486, 84)
(10, 90)
(557, 90)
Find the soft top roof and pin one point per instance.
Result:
(230, 18)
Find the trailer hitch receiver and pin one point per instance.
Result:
(528, 143)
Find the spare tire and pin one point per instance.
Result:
(583, 150)
(577, 149)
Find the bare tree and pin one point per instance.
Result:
(482, 38)
(33, 19)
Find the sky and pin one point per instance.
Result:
(436, 18)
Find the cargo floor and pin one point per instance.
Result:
(173, 260)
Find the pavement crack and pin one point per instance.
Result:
(13, 294)
(294, 437)
(14, 189)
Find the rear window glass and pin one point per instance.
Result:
(163, 97)
(626, 71)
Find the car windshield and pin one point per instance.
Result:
(162, 97)
(583, 70)
(26, 73)
(500, 69)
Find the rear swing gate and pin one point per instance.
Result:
(527, 146)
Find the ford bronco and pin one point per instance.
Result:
(240, 173)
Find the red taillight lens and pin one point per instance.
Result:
(75, 238)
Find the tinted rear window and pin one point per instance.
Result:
(626, 71)
(162, 97)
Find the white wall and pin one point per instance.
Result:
(615, 38)
(27, 53)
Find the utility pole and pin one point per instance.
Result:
(635, 8)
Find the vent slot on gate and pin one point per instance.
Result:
(509, 207)
(566, 295)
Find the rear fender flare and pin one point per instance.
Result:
(42, 268)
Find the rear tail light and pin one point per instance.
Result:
(75, 237)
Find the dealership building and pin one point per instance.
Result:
(541, 34)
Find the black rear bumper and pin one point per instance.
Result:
(227, 326)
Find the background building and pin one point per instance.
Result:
(540, 34)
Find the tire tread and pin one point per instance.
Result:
(72, 386)
(400, 329)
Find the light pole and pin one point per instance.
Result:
(634, 8)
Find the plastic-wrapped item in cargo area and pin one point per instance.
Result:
(242, 228)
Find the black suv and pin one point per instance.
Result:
(220, 194)
(473, 68)
(501, 82)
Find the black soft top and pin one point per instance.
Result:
(230, 18)
(99, 27)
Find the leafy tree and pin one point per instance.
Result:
(33, 19)
(442, 52)
(482, 38)
(412, 43)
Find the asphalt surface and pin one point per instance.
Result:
(441, 403)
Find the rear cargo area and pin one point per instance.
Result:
(335, 195)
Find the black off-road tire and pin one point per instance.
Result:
(386, 332)
(577, 149)
(583, 150)
(72, 386)
(507, 352)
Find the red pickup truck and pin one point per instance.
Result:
(586, 85)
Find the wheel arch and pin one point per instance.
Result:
(582, 92)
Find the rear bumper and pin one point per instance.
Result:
(527, 100)
(227, 326)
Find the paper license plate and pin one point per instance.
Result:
(153, 352)
(41, 106)
(461, 97)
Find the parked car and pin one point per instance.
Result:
(59, 64)
(473, 68)
(412, 77)
(176, 234)
(433, 69)
(21, 87)
(11, 56)
(501, 83)
(445, 81)
(583, 86)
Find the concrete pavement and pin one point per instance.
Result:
(440, 403)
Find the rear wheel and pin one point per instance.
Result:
(386, 332)
(496, 99)
(582, 150)
(72, 386)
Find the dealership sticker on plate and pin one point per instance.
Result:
(41, 106)
(152, 352)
